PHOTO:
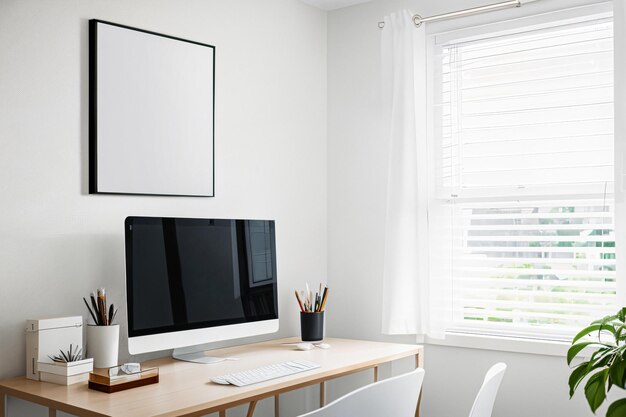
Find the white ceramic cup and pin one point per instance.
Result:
(103, 344)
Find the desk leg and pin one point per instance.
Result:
(322, 393)
(3, 405)
(251, 408)
(52, 412)
(222, 413)
(419, 363)
(276, 406)
(376, 374)
(419, 360)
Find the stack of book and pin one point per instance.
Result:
(65, 373)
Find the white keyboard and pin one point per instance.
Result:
(265, 373)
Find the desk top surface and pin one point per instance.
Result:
(184, 388)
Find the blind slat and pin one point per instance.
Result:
(548, 249)
(581, 227)
(503, 283)
(541, 80)
(462, 65)
(531, 260)
(561, 273)
(499, 314)
(568, 295)
(538, 308)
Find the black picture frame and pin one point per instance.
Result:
(94, 183)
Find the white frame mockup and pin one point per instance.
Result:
(151, 113)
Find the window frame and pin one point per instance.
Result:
(466, 337)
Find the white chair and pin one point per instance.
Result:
(395, 397)
(486, 397)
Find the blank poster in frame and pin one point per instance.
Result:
(151, 113)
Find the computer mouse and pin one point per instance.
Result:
(323, 346)
(304, 346)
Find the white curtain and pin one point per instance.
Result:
(404, 100)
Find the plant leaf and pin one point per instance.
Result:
(593, 328)
(617, 372)
(598, 359)
(575, 349)
(606, 319)
(617, 409)
(602, 360)
(595, 389)
(618, 332)
(576, 377)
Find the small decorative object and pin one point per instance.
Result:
(606, 366)
(68, 356)
(120, 378)
(312, 313)
(44, 338)
(67, 368)
(65, 373)
(102, 337)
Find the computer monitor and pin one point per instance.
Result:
(196, 281)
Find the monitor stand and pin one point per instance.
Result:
(197, 357)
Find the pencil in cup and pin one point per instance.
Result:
(310, 304)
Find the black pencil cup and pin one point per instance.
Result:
(312, 326)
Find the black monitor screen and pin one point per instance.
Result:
(184, 274)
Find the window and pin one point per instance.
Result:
(522, 180)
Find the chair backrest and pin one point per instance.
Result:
(486, 397)
(395, 397)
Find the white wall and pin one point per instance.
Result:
(57, 243)
(535, 385)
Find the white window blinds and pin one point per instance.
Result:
(523, 176)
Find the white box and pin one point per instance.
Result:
(66, 368)
(47, 336)
(63, 380)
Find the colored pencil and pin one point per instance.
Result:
(310, 302)
(324, 298)
(299, 302)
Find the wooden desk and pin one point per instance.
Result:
(185, 390)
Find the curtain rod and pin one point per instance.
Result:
(418, 20)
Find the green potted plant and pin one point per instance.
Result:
(66, 368)
(606, 366)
